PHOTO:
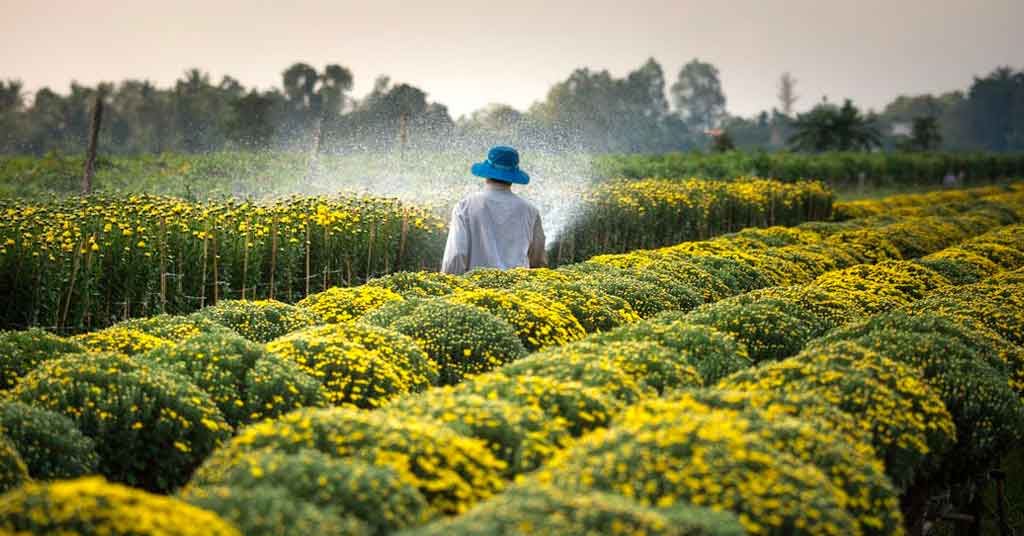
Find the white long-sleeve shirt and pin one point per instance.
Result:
(494, 228)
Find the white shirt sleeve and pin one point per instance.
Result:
(456, 249)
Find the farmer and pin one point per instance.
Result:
(494, 227)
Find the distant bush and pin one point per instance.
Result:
(260, 320)
(21, 351)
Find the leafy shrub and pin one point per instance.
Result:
(987, 413)
(765, 327)
(21, 351)
(49, 443)
(258, 320)
(1008, 258)
(999, 307)
(869, 495)
(863, 296)
(709, 459)
(739, 277)
(461, 339)
(120, 340)
(13, 471)
(957, 271)
(421, 284)
(583, 408)
(494, 278)
(339, 304)
(151, 426)
(272, 511)
(532, 508)
(522, 437)
(451, 471)
(646, 298)
(595, 310)
(245, 381)
(712, 353)
(389, 313)
(538, 321)
(970, 261)
(345, 487)
(359, 365)
(601, 364)
(909, 425)
(93, 506)
(173, 327)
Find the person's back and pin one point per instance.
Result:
(494, 227)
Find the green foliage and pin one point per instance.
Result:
(13, 471)
(359, 365)
(259, 321)
(246, 382)
(461, 339)
(645, 298)
(420, 284)
(49, 443)
(343, 487)
(766, 327)
(530, 508)
(151, 427)
(22, 351)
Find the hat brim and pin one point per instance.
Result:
(487, 171)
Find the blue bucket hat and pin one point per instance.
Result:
(502, 164)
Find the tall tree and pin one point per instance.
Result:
(828, 128)
(697, 95)
(787, 94)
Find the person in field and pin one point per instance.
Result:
(494, 227)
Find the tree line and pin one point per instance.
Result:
(590, 110)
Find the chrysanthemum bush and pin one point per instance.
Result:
(583, 408)
(50, 444)
(13, 471)
(868, 494)
(910, 427)
(533, 508)
(246, 382)
(647, 299)
(344, 487)
(712, 353)
(450, 470)
(521, 436)
(359, 365)
(462, 340)
(152, 427)
(494, 278)
(767, 328)
(987, 413)
(272, 511)
(539, 321)
(595, 310)
(93, 506)
(259, 320)
(174, 328)
(612, 366)
(120, 340)
(21, 351)
(1000, 307)
(337, 305)
(712, 459)
(421, 284)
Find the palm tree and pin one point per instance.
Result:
(828, 128)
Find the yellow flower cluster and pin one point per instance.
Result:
(121, 340)
(259, 320)
(93, 506)
(22, 351)
(421, 284)
(538, 320)
(338, 305)
(358, 365)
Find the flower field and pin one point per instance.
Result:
(861, 376)
(77, 264)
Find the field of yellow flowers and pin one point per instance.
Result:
(860, 377)
(76, 264)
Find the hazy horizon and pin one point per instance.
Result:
(466, 56)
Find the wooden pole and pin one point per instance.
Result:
(94, 134)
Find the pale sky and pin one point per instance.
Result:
(467, 54)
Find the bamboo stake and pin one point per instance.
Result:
(206, 247)
(163, 265)
(245, 259)
(216, 274)
(71, 284)
(307, 257)
(273, 256)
